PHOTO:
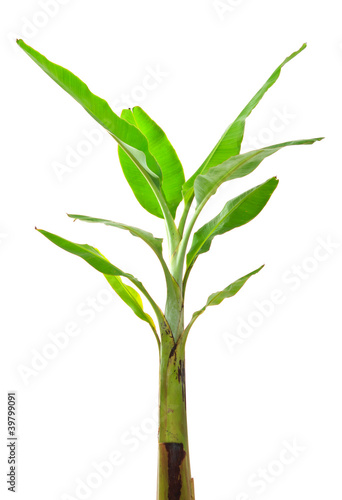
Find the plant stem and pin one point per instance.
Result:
(178, 262)
(182, 222)
(174, 476)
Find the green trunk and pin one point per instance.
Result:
(174, 476)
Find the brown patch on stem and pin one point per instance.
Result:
(175, 456)
(181, 376)
(173, 352)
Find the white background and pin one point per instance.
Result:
(246, 397)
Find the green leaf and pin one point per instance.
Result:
(137, 181)
(156, 244)
(236, 212)
(101, 264)
(217, 297)
(230, 143)
(131, 297)
(164, 153)
(126, 114)
(173, 290)
(130, 139)
(237, 166)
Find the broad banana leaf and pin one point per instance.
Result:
(101, 264)
(164, 153)
(236, 213)
(130, 139)
(237, 166)
(230, 143)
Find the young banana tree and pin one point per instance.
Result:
(155, 175)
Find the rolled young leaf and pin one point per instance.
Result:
(101, 264)
(237, 166)
(216, 298)
(164, 153)
(130, 139)
(230, 143)
(236, 212)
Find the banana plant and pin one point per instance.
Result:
(155, 174)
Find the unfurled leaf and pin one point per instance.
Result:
(217, 297)
(101, 264)
(236, 212)
(131, 297)
(156, 244)
(130, 139)
(230, 143)
(141, 188)
(237, 166)
(165, 155)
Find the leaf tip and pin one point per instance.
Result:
(297, 52)
(259, 269)
(273, 182)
